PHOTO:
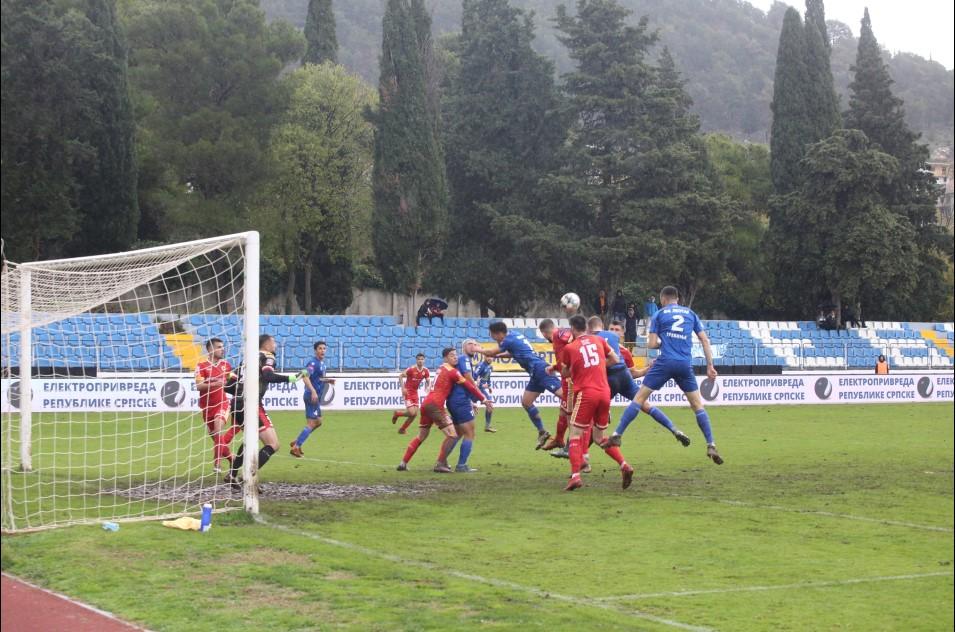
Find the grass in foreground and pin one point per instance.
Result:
(815, 508)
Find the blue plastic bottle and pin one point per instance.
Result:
(110, 526)
(206, 520)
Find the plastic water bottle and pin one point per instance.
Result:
(110, 526)
(206, 520)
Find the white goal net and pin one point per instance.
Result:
(99, 404)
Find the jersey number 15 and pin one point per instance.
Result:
(589, 354)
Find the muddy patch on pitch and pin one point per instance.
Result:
(197, 493)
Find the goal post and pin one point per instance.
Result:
(100, 419)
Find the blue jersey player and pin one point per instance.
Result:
(622, 383)
(314, 381)
(671, 330)
(482, 374)
(515, 345)
(462, 414)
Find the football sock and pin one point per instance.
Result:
(303, 436)
(575, 454)
(658, 415)
(535, 416)
(264, 455)
(221, 448)
(562, 427)
(630, 413)
(446, 448)
(237, 462)
(703, 421)
(487, 418)
(410, 450)
(229, 434)
(408, 422)
(615, 453)
(464, 452)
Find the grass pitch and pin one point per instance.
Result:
(822, 517)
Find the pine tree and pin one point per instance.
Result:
(879, 114)
(107, 197)
(791, 129)
(500, 134)
(321, 44)
(409, 223)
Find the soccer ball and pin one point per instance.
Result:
(570, 302)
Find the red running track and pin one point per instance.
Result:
(27, 608)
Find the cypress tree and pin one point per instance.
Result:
(791, 129)
(823, 109)
(816, 16)
(321, 44)
(408, 179)
(107, 198)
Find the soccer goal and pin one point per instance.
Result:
(99, 405)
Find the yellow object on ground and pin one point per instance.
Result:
(186, 523)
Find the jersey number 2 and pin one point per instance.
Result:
(678, 325)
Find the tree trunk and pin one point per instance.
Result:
(290, 288)
(307, 279)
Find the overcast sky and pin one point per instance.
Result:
(924, 27)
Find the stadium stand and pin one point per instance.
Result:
(377, 343)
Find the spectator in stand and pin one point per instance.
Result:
(882, 366)
(619, 307)
(431, 308)
(650, 307)
(849, 317)
(600, 305)
(630, 324)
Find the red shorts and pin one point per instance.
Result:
(433, 414)
(211, 413)
(238, 419)
(591, 407)
(412, 400)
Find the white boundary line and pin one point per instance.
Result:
(718, 591)
(85, 606)
(489, 581)
(828, 514)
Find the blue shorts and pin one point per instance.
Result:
(622, 383)
(540, 381)
(662, 371)
(484, 391)
(313, 411)
(461, 411)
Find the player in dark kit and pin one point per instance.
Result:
(267, 432)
